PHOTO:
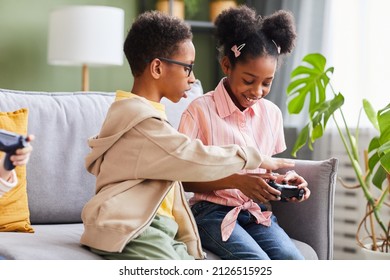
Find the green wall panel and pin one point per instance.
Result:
(23, 49)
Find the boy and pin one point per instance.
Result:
(139, 210)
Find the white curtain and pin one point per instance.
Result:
(354, 36)
(309, 16)
(357, 45)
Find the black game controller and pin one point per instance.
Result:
(9, 143)
(287, 191)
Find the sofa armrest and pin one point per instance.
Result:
(312, 221)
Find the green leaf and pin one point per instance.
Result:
(384, 137)
(296, 104)
(354, 147)
(374, 144)
(373, 161)
(334, 105)
(384, 124)
(317, 60)
(309, 80)
(301, 72)
(385, 162)
(385, 148)
(379, 177)
(317, 132)
(371, 113)
(301, 140)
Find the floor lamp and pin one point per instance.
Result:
(86, 36)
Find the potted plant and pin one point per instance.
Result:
(191, 8)
(177, 8)
(310, 83)
(217, 6)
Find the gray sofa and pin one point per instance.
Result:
(58, 184)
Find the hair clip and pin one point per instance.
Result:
(277, 46)
(237, 50)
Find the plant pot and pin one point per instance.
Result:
(369, 254)
(217, 6)
(177, 7)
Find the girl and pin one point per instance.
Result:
(233, 214)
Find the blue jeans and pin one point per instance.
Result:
(249, 241)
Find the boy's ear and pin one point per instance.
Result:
(225, 65)
(155, 68)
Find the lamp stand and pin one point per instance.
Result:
(85, 78)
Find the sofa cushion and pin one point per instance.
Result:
(58, 183)
(14, 212)
(175, 110)
(49, 242)
(321, 177)
(306, 250)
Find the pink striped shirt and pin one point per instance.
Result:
(215, 120)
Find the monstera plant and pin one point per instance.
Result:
(311, 89)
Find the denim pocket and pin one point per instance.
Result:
(198, 208)
(205, 208)
(202, 208)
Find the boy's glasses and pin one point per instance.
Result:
(187, 67)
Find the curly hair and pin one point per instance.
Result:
(153, 34)
(272, 35)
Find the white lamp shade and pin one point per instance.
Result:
(90, 35)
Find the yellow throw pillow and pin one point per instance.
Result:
(14, 212)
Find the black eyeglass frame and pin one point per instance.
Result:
(189, 66)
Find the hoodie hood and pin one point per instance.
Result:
(115, 125)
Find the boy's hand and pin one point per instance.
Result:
(271, 163)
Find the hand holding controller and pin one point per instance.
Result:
(287, 191)
(9, 143)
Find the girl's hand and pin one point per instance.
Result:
(292, 178)
(255, 186)
(22, 156)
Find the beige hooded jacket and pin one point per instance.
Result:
(136, 158)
